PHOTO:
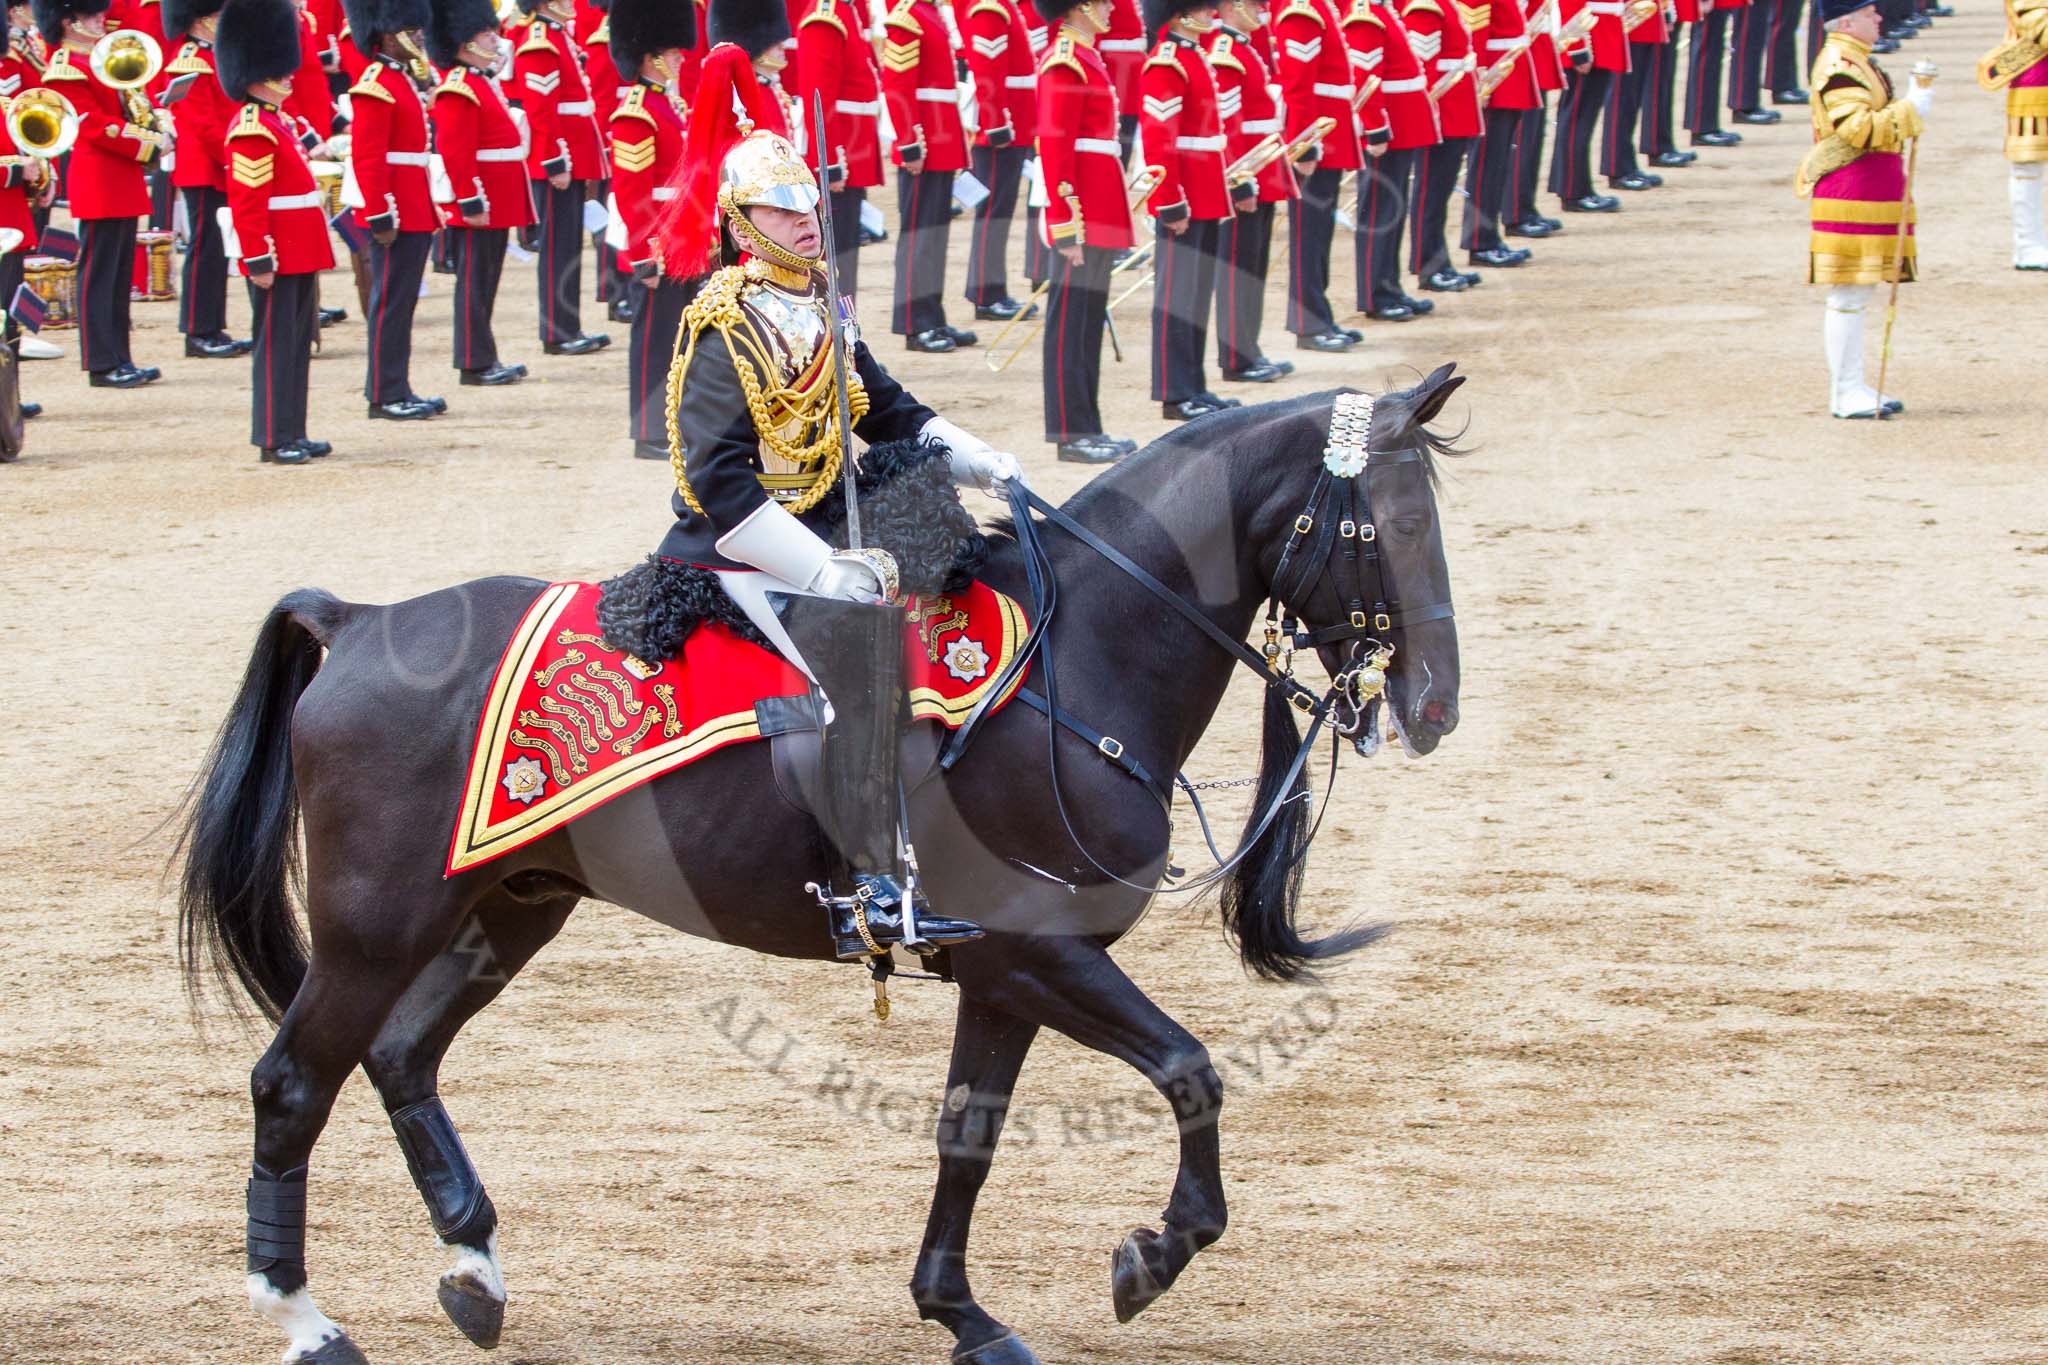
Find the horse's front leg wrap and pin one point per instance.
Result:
(276, 1235)
(442, 1172)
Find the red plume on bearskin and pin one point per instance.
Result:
(688, 228)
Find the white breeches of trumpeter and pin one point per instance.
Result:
(2029, 238)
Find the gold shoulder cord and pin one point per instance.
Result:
(813, 406)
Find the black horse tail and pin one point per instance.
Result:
(237, 904)
(1262, 892)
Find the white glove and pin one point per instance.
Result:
(848, 578)
(974, 460)
(1921, 97)
(776, 543)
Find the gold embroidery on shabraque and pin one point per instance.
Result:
(671, 724)
(612, 710)
(577, 637)
(932, 630)
(541, 746)
(546, 676)
(620, 681)
(575, 718)
(588, 707)
(534, 720)
(626, 745)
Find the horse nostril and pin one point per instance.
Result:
(1438, 715)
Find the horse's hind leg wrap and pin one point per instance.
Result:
(276, 1235)
(441, 1170)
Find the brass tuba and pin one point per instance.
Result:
(42, 122)
(128, 60)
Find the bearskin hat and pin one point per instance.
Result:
(51, 14)
(641, 28)
(257, 41)
(1054, 11)
(754, 25)
(1160, 13)
(370, 20)
(1831, 10)
(180, 15)
(451, 23)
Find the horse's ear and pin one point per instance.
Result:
(1434, 393)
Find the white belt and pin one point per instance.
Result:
(1106, 146)
(1120, 45)
(1505, 44)
(1450, 64)
(1403, 87)
(664, 193)
(577, 107)
(311, 199)
(1200, 144)
(1262, 125)
(949, 95)
(1021, 82)
(500, 154)
(1613, 7)
(405, 158)
(868, 107)
(1335, 92)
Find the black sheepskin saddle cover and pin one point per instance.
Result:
(908, 506)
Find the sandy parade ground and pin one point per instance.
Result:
(1714, 1029)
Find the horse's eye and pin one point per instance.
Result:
(1407, 526)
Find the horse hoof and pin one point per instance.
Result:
(1007, 1349)
(339, 1351)
(1131, 1283)
(479, 1313)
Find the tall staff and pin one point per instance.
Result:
(1923, 75)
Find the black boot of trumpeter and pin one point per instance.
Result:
(855, 651)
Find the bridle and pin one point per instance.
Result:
(1341, 543)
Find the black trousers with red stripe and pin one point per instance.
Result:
(924, 225)
(203, 288)
(1038, 257)
(1571, 160)
(1660, 99)
(1076, 315)
(1002, 170)
(1246, 250)
(1436, 178)
(283, 320)
(106, 274)
(1703, 74)
(1384, 188)
(479, 255)
(559, 264)
(395, 273)
(1766, 38)
(1184, 291)
(610, 283)
(1626, 107)
(1486, 181)
(1311, 227)
(846, 205)
(650, 346)
(1525, 171)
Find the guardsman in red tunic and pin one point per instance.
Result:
(837, 66)
(1443, 46)
(1855, 174)
(592, 32)
(147, 17)
(1250, 113)
(486, 161)
(1525, 173)
(931, 148)
(999, 57)
(200, 113)
(647, 131)
(1627, 103)
(1597, 62)
(26, 184)
(1703, 80)
(1501, 41)
(762, 29)
(1182, 128)
(280, 219)
(1403, 121)
(1765, 28)
(389, 154)
(106, 188)
(1660, 88)
(2026, 123)
(1087, 220)
(1315, 71)
(564, 157)
(21, 64)
(1123, 49)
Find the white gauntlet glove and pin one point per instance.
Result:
(1921, 97)
(974, 460)
(848, 578)
(776, 543)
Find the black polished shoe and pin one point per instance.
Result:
(1188, 409)
(1501, 257)
(1717, 138)
(650, 450)
(124, 377)
(404, 410)
(1352, 332)
(934, 342)
(1003, 309)
(880, 901)
(1593, 203)
(1758, 115)
(1446, 281)
(1884, 47)
(1218, 401)
(1284, 366)
(219, 346)
(619, 310)
(1635, 180)
(1331, 342)
(578, 345)
(1794, 95)
(292, 452)
(1529, 227)
(1392, 312)
(330, 316)
(313, 448)
(31, 410)
(1898, 33)
(961, 337)
(439, 405)
(1091, 450)
(1422, 308)
(1940, 11)
(1265, 372)
(1674, 160)
(494, 376)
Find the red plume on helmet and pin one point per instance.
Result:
(689, 228)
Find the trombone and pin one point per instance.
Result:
(1139, 189)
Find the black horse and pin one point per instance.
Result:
(371, 745)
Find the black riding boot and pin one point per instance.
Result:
(855, 652)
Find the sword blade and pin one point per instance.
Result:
(838, 325)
